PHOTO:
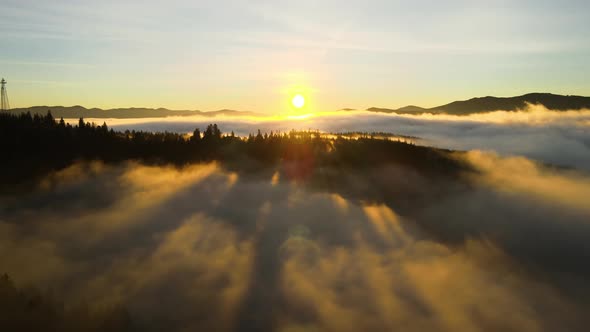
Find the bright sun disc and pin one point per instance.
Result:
(298, 101)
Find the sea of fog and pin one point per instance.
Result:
(559, 138)
(203, 249)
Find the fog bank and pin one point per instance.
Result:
(560, 138)
(204, 248)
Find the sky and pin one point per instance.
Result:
(255, 55)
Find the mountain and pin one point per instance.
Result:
(122, 113)
(489, 104)
(404, 110)
(465, 107)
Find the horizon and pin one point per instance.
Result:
(317, 111)
(257, 56)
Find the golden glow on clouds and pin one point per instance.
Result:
(275, 178)
(300, 116)
(535, 115)
(332, 272)
(385, 222)
(522, 175)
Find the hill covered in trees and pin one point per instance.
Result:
(34, 145)
(122, 113)
(472, 106)
(489, 104)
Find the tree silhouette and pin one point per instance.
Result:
(35, 145)
(196, 136)
(216, 131)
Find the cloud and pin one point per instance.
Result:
(520, 176)
(503, 248)
(559, 138)
(419, 286)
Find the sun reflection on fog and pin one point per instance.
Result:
(275, 178)
(232, 178)
(385, 222)
(340, 202)
(300, 116)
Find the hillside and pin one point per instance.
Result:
(121, 113)
(488, 104)
(29, 148)
(404, 110)
(464, 107)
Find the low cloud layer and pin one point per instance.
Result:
(202, 248)
(560, 138)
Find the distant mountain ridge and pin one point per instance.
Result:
(489, 104)
(122, 113)
(465, 107)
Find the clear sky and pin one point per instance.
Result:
(252, 55)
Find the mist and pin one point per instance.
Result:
(200, 247)
(558, 138)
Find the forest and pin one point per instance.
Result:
(34, 145)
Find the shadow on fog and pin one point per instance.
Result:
(199, 247)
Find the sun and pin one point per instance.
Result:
(298, 101)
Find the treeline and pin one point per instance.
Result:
(29, 309)
(33, 145)
(375, 134)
